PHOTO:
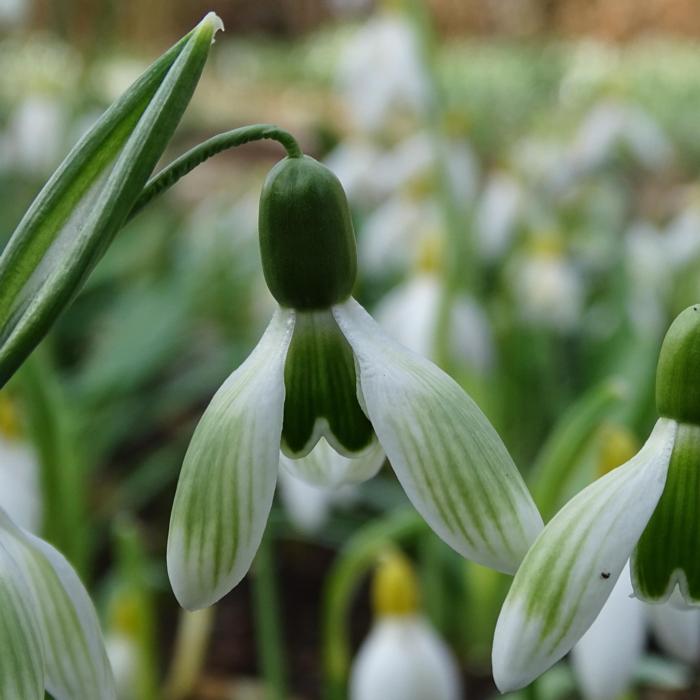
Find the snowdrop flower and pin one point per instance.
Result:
(34, 140)
(20, 493)
(646, 509)
(324, 368)
(548, 287)
(402, 658)
(605, 659)
(380, 72)
(13, 12)
(50, 634)
(409, 313)
(497, 214)
(393, 237)
(682, 235)
(611, 125)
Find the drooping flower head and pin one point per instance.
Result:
(325, 370)
(49, 632)
(402, 658)
(647, 509)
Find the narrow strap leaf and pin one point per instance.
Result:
(87, 200)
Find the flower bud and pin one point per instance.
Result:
(307, 241)
(678, 371)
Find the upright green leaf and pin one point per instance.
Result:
(87, 200)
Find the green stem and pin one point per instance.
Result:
(267, 621)
(353, 562)
(187, 162)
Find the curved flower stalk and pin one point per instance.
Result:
(402, 658)
(49, 631)
(647, 509)
(324, 369)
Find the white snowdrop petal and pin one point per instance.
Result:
(572, 568)
(676, 628)
(324, 466)
(606, 657)
(228, 478)
(447, 456)
(76, 662)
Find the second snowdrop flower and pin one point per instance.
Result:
(324, 369)
(647, 508)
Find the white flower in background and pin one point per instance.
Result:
(35, 135)
(403, 658)
(591, 65)
(409, 313)
(20, 492)
(123, 655)
(646, 509)
(14, 12)
(611, 125)
(20, 489)
(392, 238)
(606, 657)
(547, 287)
(356, 162)
(380, 72)
(325, 369)
(682, 235)
(50, 636)
(498, 208)
(649, 272)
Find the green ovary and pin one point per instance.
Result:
(669, 550)
(320, 385)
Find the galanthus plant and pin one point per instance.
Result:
(50, 634)
(324, 370)
(646, 509)
(402, 658)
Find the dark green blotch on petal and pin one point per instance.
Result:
(678, 371)
(307, 240)
(319, 379)
(671, 541)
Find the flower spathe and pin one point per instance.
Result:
(49, 631)
(646, 509)
(324, 369)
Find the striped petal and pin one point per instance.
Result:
(76, 662)
(22, 672)
(323, 466)
(677, 629)
(606, 657)
(572, 568)
(447, 456)
(228, 477)
(667, 553)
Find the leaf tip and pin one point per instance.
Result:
(213, 22)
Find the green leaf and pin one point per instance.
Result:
(88, 199)
(556, 462)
